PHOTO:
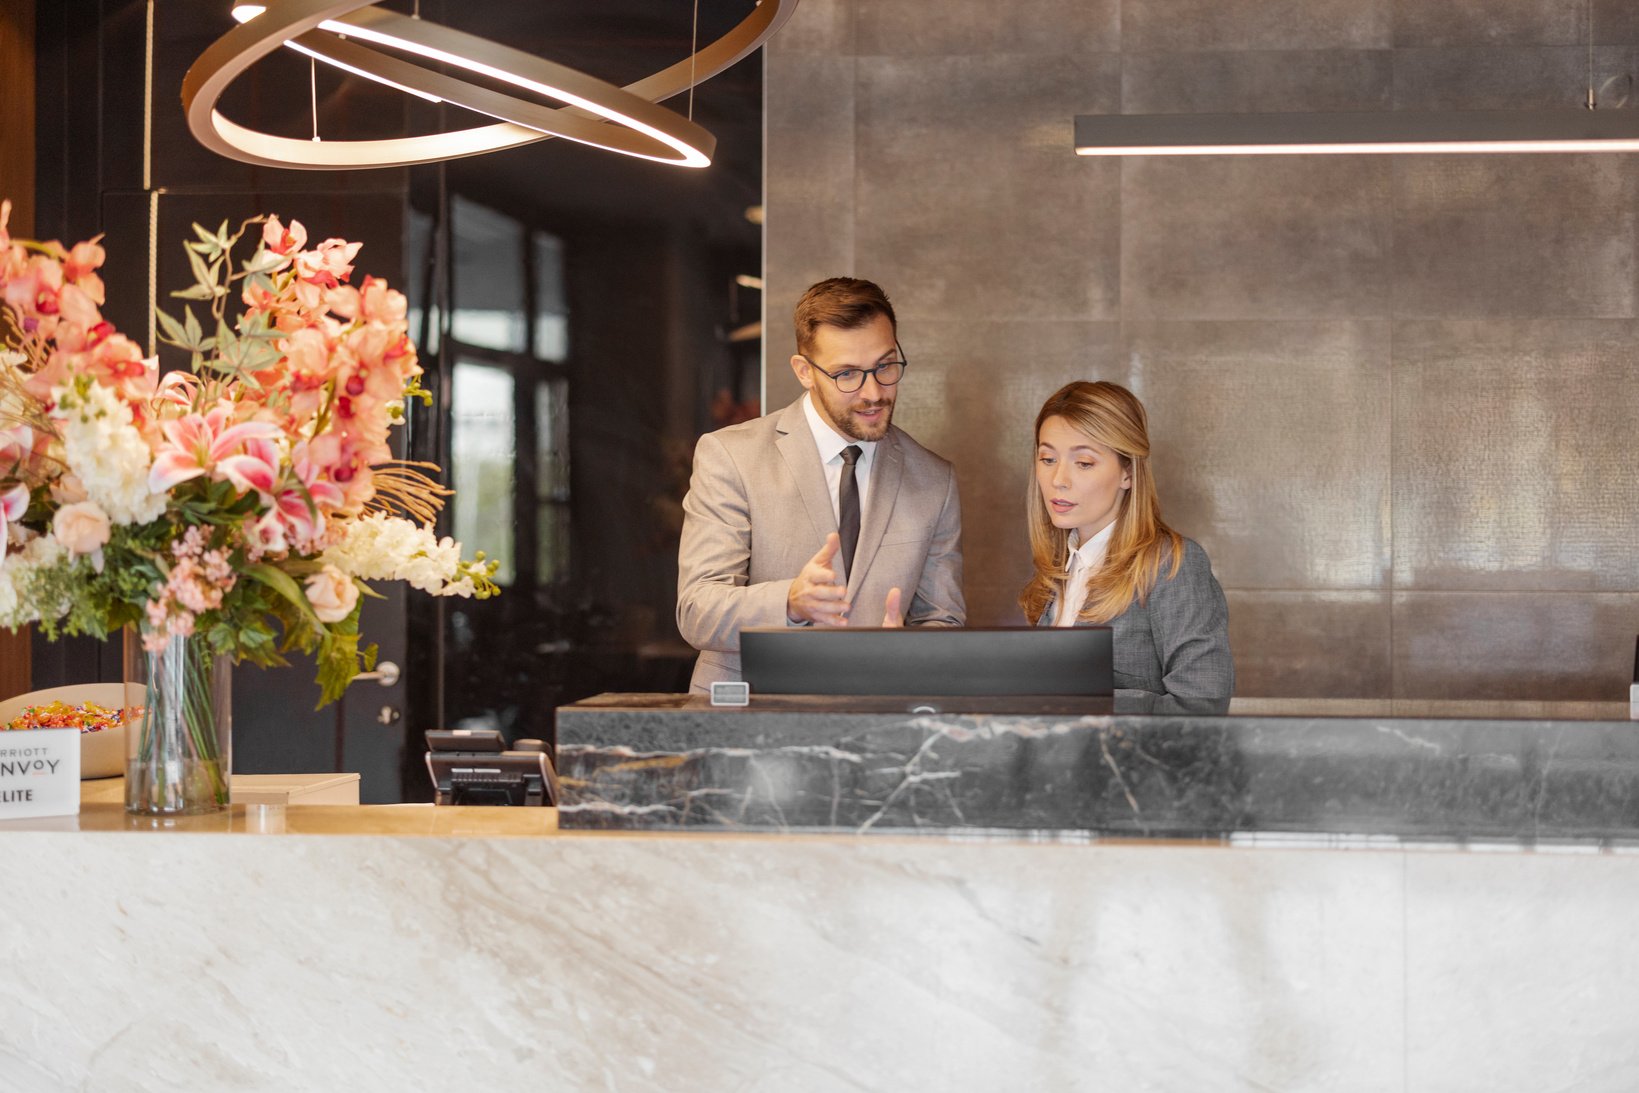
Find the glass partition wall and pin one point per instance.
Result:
(582, 317)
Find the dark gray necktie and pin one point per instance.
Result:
(848, 507)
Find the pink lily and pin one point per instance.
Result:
(302, 507)
(196, 443)
(16, 445)
(257, 469)
(178, 387)
(325, 494)
(13, 503)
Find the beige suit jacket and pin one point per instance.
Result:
(758, 509)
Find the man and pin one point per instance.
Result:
(823, 512)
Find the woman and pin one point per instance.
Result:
(1103, 555)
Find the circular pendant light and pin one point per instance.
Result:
(355, 35)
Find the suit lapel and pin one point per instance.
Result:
(796, 445)
(885, 476)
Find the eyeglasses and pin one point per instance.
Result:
(849, 380)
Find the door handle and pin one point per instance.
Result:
(386, 674)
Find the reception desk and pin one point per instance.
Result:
(385, 947)
(1510, 773)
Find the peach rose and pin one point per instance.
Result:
(81, 527)
(68, 490)
(332, 594)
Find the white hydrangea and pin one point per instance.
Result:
(16, 571)
(379, 547)
(104, 449)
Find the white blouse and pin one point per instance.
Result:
(1085, 559)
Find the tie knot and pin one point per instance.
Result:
(851, 454)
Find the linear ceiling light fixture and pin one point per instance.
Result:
(624, 120)
(1576, 130)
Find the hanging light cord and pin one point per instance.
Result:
(1592, 102)
(694, 52)
(313, 93)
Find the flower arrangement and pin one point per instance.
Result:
(244, 502)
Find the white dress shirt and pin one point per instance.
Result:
(830, 444)
(1085, 559)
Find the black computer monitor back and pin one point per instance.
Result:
(929, 661)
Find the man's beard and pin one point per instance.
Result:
(847, 426)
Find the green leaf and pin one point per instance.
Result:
(172, 329)
(282, 583)
(201, 274)
(197, 292)
(263, 262)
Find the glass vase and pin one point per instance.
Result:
(178, 727)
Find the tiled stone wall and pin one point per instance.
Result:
(1396, 398)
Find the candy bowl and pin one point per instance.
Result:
(94, 707)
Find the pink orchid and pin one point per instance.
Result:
(5, 217)
(32, 291)
(77, 306)
(308, 352)
(258, 298)
(282, 240)
(117, 362)
(80, 268)
(329, 265)
(13, 504)
(325, 494)
(343, 301)
(345, 461)
(56, 372)
(380, 304)
(196, 443)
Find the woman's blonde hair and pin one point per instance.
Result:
(1112, 417)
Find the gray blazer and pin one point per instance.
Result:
(758, 509)
(1177, 641)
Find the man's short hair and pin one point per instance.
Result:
(844, 302)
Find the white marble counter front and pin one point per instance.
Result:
(434, 955)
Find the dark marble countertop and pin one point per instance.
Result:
(1541, 773)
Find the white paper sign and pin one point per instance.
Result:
(39, 773)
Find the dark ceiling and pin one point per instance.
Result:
(620, 41)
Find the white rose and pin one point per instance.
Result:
(81, 527)
(332, 594)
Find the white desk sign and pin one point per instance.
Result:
(39, 773)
